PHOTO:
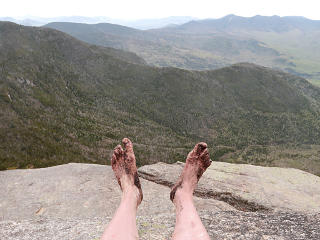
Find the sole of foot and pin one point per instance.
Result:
(198, 160)
(123, 164)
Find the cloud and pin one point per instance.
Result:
(137, 9)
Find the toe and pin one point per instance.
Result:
(118, 151)
(200, 147)
(127, 145)
(205, 158)
(205, 154)
(128, 150)
(113, 160)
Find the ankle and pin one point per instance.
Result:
(130, 191)
(183, 194)
(131, 197)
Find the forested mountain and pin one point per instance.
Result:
(63, 100)
(287, 43)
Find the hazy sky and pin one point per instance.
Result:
(137, 9)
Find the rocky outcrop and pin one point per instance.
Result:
(248, 187)
(221, 225)
(76, 201)
(78, 190)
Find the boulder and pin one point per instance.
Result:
(248, 187)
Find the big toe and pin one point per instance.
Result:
(200, 148)
(127, 145)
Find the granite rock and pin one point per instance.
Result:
(248, 187)
(76, 201)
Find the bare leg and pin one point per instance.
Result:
(188, 223)
(123, 224)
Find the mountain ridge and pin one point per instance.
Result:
(142, 24)
(286, 43)
(258, 23)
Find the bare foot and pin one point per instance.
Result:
(197, 162)
(123, 163)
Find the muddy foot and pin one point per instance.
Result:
(123, 163)
(197, 162)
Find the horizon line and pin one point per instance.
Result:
(26, 17)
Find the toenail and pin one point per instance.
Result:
(203, 146)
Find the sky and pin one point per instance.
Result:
(141, 9)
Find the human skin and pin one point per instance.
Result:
(188, 224)
(123, 224)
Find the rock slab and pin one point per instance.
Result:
(76, 201)
(248, 187)
(78, 190)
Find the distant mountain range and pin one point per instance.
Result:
(63, 100)
(233, 23)
(142, 24)
(287, 43)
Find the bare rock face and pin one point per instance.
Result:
(76, 201)
(220, 226)
(78, 190)
(248, 187)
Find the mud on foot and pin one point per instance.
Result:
(123, 164)
(197, 162)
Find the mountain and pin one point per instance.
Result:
(164, 48)
(63, 100)
(287, 43)
(256, 23)
(25, 21)
(145, 24)
(295, 38)
(142, 24)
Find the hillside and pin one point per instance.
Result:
(63, 100)
(295, 38)
(168, 47)
(286, 43)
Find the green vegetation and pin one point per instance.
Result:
(304, 157)
(63, 101)
(288, 43)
